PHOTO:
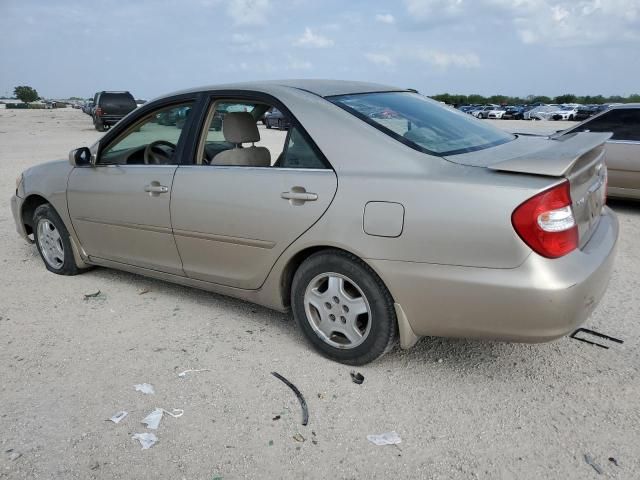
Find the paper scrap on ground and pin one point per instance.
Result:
(153, 419)
(118, 416)
(184, 374)
(389, 438)
(147, 440)
(144, 388)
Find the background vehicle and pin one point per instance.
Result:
(110, 107)
(276, 119)
(622, 150)
(585, 111)
(566, 112)
(514, 113)
(541, 112)
(87, 108)
(496, 112)
(482, 112)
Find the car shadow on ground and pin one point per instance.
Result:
(624, 206)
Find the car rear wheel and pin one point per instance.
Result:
(343, 308)
(53, 242)
(99, 126)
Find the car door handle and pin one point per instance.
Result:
(156, 188)
(300, 196)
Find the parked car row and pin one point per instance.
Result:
(536, 111)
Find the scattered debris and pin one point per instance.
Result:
(299, 438)
(118, 416)
(357, 378)
(595, 334)
(277, 417)
(303, 402)
(153, 419)
(389, 438)
(184, 374)
(440, 360)
(614, 461)
(314, 440)
(321, 396)
(94, 466)
(590, 461)
(95, 294)
(15, 456)
(271, 443)
(143, 291)
(145, 388)
(147, 440)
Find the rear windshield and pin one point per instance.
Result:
(117, 100)
(421, 123)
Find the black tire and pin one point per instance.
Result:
(99, 126)
(267, 124)
(48, 213)
(383, 330)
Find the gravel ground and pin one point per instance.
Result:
(464, 409)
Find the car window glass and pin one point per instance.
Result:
(624, 123)
(272, 126)
(163, 128)
(422, 123)
(299, 153)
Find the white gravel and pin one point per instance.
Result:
(464, 409)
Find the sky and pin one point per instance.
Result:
(151, 47)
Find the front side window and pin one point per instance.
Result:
(422, 123)
(152, 140)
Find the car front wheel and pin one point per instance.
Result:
(53, 242)
(343, 308)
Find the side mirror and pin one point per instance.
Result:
(80, 157)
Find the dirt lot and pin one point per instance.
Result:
(464, 409)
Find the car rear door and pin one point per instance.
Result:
(119, 207)
(231, 223)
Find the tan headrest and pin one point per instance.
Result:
(240, 127)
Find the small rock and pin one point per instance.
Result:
(94, 466)
(440, 360)
(299, 438)
(14, 456)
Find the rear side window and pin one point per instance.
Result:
(422, 123)
(299, 154)
(624, 123)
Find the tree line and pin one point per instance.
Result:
(455, 99)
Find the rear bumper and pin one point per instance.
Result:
(109, 119)
(16, 208)
(538, 301)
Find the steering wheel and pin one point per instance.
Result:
(154, 155)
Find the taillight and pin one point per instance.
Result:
(98, 111)
(546, 223)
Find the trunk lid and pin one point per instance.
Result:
(578, 157)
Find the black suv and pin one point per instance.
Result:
(110, 107)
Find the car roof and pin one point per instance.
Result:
(624, 105)
(320, 87)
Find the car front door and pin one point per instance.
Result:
(231, 222)
(119, 207)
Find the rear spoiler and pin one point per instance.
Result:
(557, 159)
